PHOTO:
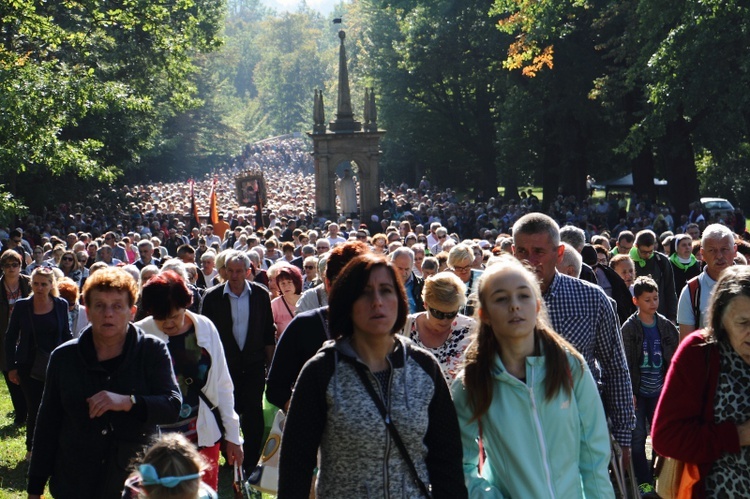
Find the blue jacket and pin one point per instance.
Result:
(534, 447)
(19, 342)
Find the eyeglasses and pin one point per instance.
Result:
(12, 265)
(465, 268)
(442, 315)
(309, 267)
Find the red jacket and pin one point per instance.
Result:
(683, 426)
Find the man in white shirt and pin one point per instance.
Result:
(718, 249)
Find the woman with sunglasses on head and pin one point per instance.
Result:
(70, 266)
(37, 326)
(441, 329)
(13, 286)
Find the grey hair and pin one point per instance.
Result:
(571, 258)
(176, 265)
(460, 253)
(237, 256)
(574, 236)
(717, 232)
(401, 251)
(537, 223)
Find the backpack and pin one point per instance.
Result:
(694, 288)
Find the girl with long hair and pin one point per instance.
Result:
(527, 397)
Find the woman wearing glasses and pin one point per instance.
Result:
(37, 326)
(13, 287)
(441, 329)
(70, 266)
(460, 260)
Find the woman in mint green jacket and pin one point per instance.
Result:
(531, 397)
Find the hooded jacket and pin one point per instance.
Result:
(332, 410)
(536, 447)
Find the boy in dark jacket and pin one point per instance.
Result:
(650, 341)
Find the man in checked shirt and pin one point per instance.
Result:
(582, 314)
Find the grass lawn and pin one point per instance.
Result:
(12, 451)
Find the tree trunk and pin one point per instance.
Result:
(643, 173)
(679, 159)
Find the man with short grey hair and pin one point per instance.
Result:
(403, 259)
(571, 262)
(576, 238)
(146, 252)
(241, 311)
(582, 314)
(718, 249)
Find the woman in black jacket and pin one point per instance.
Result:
(37, 326)
(106, 393)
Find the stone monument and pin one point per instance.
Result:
(345, 140)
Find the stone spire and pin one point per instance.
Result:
(344, 117)
(372, 111)
(319, 118)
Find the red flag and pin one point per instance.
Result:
(213, 210)
(195, 219)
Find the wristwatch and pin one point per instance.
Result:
(132, 399)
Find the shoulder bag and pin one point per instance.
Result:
(674, 478)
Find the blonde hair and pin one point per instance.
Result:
(172, 455)
(480, 354)
(50, 274)
(444, 288)
(460, 253)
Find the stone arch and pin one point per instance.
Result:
(330, 150)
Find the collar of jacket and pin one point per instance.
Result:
(344, 348)
(682, 266)
(87, 349)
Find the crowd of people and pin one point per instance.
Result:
(443, 347)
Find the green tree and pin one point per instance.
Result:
(88, 85)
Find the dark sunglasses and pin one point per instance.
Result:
(11, 265)
(67, 259)
(442, 315)
(309, 267)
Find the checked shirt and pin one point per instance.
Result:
(582, 314)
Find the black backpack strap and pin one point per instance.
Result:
(392, 428)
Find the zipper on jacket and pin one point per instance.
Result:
(540, 435)
(387, 403)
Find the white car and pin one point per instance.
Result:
(712, 206)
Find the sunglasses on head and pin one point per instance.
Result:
(442, 315)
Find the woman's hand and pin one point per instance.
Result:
(13, 377)
(235, 454)
(107, 401)
(744, 432)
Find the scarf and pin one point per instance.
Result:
(682, 266)
(637, 258)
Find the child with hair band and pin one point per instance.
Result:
(171, 468)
